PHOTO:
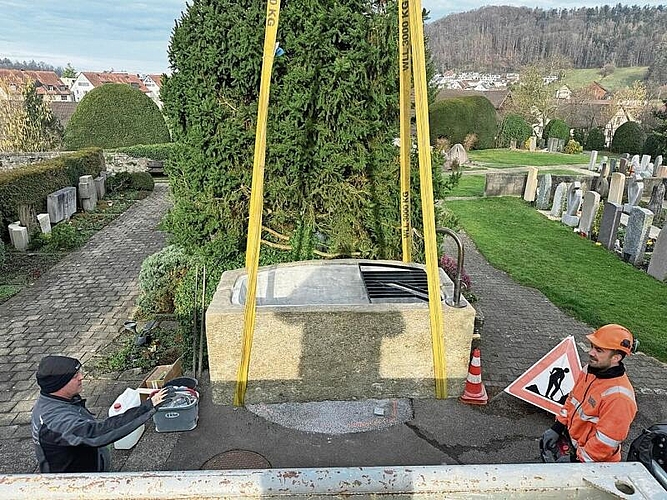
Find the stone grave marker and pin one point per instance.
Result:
(570, 218)
(18, 235)
(543, 201)
(531, 185)
(87, 193)
(636, 235)
(589, 208)
(635, 165)
(532, 143)
(100, 187)
(623, 165)
(613, 165)
(635, 190)
(601, 186)
(44, 223)
(611, 218)
(656, 165)
(593, 161)
(658, 265)
(61, 204)
(662, 172)
(560, 200)
(657, 197)
(616, 188)
(643, 164)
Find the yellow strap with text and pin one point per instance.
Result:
(426, 185)
(405, 139)
(257, 200)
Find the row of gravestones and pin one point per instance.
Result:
(60, 206)
(626, 165)
(578, 210)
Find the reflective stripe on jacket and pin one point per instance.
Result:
(598, 413)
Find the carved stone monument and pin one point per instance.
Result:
(570, 218)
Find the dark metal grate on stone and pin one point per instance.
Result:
(236, 459)
(394, 283)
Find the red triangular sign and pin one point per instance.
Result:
(548, 382)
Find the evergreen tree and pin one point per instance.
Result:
(331, 178)
(69, 71)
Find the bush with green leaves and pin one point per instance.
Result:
(142, 181)
(115, 115)
(558, 129)
(573, 147)
(455, 118)
(63, 237)
(579, 134)
(596, 140)
(159, 277)
(513, 128)
(656, 142)
(2, 253)
(628, 138)
(331, 169)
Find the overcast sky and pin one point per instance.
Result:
(134, 35)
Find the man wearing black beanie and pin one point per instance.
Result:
(67, 437)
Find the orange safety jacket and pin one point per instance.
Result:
(598, 413)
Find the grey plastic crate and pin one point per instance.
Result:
(177, 418)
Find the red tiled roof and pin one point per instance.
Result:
(157, 79)
(48, 82)
(97, 79)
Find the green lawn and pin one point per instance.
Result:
(469, 185)
(504, 158)
(581, 278)
(619, 79)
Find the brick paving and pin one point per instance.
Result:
(77, 308)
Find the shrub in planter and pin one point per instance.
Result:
(159, 278)
(558, 129)
(573, 147)
(595, 139)
(628, 138)
(513, 128)
(142, 181)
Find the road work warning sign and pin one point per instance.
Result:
(548, 382)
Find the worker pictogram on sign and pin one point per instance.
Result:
(548, 382)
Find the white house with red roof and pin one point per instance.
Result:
(88, 80)
(48, 85)
(154, 83)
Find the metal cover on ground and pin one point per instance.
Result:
(236, 459)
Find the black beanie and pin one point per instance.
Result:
(54, 372)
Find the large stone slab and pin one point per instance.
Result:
(616, 188)
(611, 218)
(592, 164)
(61, 204)
(318, 337)
(88, 193)
(636, 235)
(543, 201)
(19, 237)
(589, 209)
(658, 265)
(571, 217)
(560, 200)
(531, 185)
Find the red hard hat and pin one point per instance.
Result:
(612, 337)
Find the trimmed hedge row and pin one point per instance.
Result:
(30, 185)
(556, 129)
(458, 117)
(158, 152)
(513, 128)
(628, 138)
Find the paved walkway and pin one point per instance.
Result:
(77, 308)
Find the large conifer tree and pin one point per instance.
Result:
(331, 177)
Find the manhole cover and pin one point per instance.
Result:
(236, 459)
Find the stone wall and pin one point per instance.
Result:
(11, 160)
(120, 162)
(115, 162)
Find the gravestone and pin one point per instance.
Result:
(658, 265)
(616, 188)
(611, 218)
(662, 172)
(44, 223)
(513, 144)
(100, 187)
(543, 201)
(657, 197)
(636, 235)
(626, 156)
(18, 235)
(635, 190)
(553, 144)
(61, 204)
(601, 186)
(643, 164)
(656, 165)
(87, 193)
(457, 152)
(532, 143)
(613, 165)
(589, 208)
(560, 200)
(635, 165)
(604, 169)
(623, 165)
(570, 218)
(531, 185)
(593, 161)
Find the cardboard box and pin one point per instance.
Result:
(160, 375)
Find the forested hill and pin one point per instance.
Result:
(506, 38)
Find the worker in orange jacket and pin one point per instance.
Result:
(600, 408)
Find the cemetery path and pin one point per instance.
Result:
(77, 308)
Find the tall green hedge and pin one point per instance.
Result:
(556, 128)
(115, 115)
(331, 175)
(513, 128)
(30, 185)
(595, 140)
(628, 138)
(456, 118)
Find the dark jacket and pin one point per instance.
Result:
(68, 438)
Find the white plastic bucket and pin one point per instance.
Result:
(129, 399)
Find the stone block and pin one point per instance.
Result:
(44, 223)
(616, 188)
(19, 237)
(588, 210)
(61, 204)
(636, 235)
(87, 193)
(543, 201)
(100, 187)
(592, 164)
(611, 218)
(658, 265)
(560, 200)
(531, 185)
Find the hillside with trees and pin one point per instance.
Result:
(507, 38)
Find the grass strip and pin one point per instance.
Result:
(500, 158)
(581, 278)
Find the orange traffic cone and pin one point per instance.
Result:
(475, 392)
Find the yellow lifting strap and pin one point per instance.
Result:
(257, 199)
(426, 189)
(405, 77)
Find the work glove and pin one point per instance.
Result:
(549, 439)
